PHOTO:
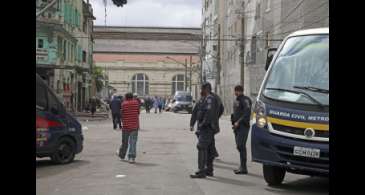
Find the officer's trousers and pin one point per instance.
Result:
(241, 135)
(205, 151)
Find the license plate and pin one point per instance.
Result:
(306, 152)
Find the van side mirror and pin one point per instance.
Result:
(269, 57)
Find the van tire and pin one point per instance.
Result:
(65, 151)
(273, 175)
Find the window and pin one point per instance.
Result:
(72, 53)
(65, 50)
(178, 83)
(253, 50)
(268, 5)
(41, 97)
(40, 43)
(83, 56)
(54, 103)
(84, 26)
(140, 84)
(258, 11)
(59, 46)
(215, 47)
(58, 86)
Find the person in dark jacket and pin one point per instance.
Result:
(194, 116)
(93, 105)
(241, 124)
(115, 106)
(207, 118)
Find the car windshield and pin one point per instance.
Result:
(300, 72)
(184, 98)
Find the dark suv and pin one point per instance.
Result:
(59, 135)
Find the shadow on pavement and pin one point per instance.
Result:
(224, 162)
(308, 185)
(230, 181)
(45, 168)
(223, 167)
(231, 169)
(145, 164)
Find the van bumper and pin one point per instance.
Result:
(276, 150)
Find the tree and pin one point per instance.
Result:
(98, 76)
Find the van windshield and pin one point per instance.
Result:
(184, 98)
(300, 72)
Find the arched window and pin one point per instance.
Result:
(178, 83)
(140, 84)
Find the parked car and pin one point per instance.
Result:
(182, 102)
(58, 134)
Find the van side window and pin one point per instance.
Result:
(53, 103)
(41, 97)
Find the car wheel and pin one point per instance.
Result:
(65, 152)
(273, 175)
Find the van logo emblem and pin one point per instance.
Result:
(309, 132)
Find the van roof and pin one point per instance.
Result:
(310, 32)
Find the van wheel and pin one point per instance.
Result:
(65, 152)
(273, 175)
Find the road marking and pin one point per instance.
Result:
(120, 176)
(85, 128)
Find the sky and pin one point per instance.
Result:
(162, 13)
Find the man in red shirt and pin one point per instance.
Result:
(130, 126)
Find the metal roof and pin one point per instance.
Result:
(310, 32)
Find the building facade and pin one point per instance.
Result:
(249, 29)
(64, 49)
(149, 61)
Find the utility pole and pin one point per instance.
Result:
(242, 52)
(218, 76)
(186, 73)
(191, 69)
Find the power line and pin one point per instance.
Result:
(192, 39)
(105, 5)
(291, 12)
(306, 14)
(315, 22)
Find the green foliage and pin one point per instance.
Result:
(98, 76)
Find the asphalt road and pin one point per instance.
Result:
(166, 155)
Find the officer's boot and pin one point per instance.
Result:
(202, 159)
(243, 168)
(209, 170)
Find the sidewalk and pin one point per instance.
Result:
(86, 116)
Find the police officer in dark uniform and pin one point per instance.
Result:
(206, 114)
(241, 124)
(194, 118)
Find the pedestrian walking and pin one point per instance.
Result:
(155, 104)
(160, 105)
(130, 126)
(115, 107)
(93, 106)
(241, 124)
(207, 117)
